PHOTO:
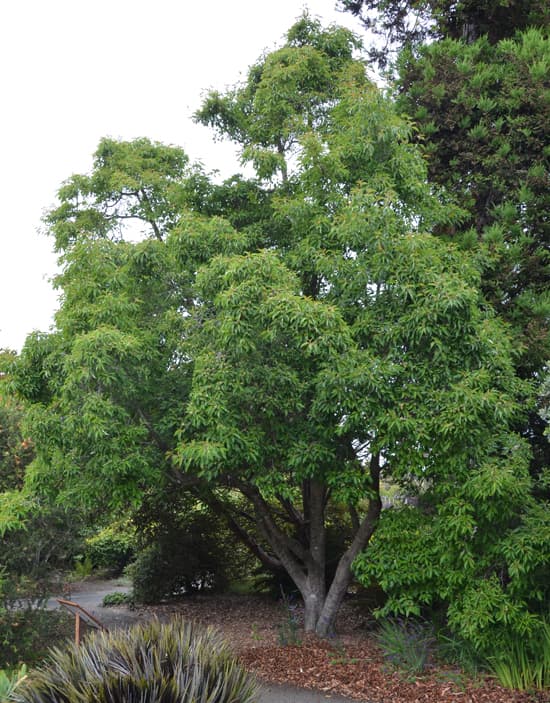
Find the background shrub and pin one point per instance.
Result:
(112, 548)
(117, 598)
(26, 635)
(27, 629)
(179, 563)
(49, 542)
(182, 547)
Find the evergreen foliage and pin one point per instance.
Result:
(150, 663)
(483, 112)
(411, 23)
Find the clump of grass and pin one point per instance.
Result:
(524, 664)
(153, 662)
(406, 644)
(456, 651)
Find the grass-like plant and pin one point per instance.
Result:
(289, 630)
(10, 680)
(151, 663)
(454, 650)
(525, 663)
(406, 644)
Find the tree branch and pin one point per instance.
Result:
(161, 444)
(293, 514)
(221, 509)
(153, 224)
(291, 553)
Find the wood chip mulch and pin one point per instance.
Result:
(351, 666)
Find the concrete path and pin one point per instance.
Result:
(90, 596)
(271, 693)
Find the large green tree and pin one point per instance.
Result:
(290, 339)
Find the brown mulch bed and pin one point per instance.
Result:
(351, 665)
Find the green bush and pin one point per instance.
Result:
(49, 541)
(161, 571)
(27, 630)
(147, 664)
(117, 598)
(28, 634)
(182, 547)
(112, 548)
(484, 571)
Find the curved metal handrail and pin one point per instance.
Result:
(80, 613)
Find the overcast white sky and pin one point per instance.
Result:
(73, 71)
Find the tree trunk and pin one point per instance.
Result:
(342, 578)
(314, 588)
(305, 563)
(313, 596)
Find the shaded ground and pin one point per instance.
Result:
(309, 671)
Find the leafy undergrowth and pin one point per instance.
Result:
(27, 635)
(351, 666)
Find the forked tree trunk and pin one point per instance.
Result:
(321, 608)
(325, 616)
(306, 564)
(342, 578)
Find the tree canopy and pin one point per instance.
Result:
(474, 78)
(412, 23)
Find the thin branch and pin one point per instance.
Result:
(293, 514)
(161, 444)
(153, 224)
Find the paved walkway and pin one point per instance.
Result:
(90, 596)
(288, 694)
